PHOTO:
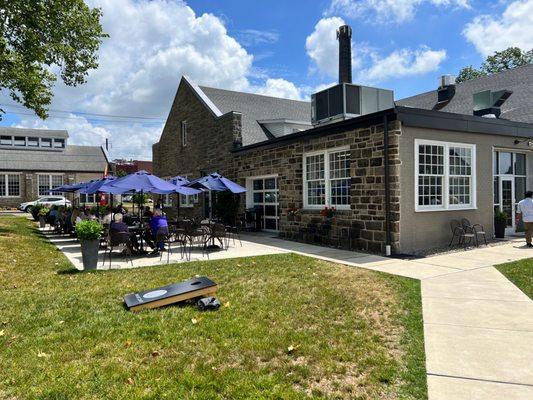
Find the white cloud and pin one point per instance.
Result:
(251, 37)
(151, 45)
(322, 46)
(280, 88)
(387, 10)
(403, 62)
(514, 27)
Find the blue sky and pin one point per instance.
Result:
(279, 48)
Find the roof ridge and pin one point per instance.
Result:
(253, 94)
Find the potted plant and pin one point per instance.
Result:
(500, 223)
(89, 232)
(43, 211)
(35, 211)
(293, 214)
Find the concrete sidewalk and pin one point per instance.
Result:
(478, 326)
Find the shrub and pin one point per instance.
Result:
(43, 211)
(500, 216)
(89, 230)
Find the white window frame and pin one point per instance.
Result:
(184, 133)
(6, 183)
(89, 197)
(50, 184)
(446, 206)
(327, 180)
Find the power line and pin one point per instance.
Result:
(89, 114)
(114, 121)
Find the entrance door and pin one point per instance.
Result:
(265, 201)
(508, 203)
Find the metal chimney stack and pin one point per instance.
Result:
(344, 35)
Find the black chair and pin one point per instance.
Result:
(234, 232)
(193, 234)
(163, 236)
(218, 232)
(476, 229)
(116, 239)
(459, 232)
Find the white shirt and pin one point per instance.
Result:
(525, 207)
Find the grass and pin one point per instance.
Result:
(521, 274)
(64, 335)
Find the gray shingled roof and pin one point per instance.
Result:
(255, 108)
(44, 133)
(73, 158)
(519, 107)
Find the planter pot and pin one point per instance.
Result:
(499, 228)
(89, 253)
(42, 222)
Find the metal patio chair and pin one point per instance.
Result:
(459, 232)
(476, 229)
(115, 240)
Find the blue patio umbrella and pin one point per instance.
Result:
(138, 182)
(216, 182)
(181, 188)
(94, 186)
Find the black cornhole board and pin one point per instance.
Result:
(169, 294)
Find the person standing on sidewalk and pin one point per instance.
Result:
(525, 210)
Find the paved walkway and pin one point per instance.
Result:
(478, 326)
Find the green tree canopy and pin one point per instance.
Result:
(38, 37)
(509, 58)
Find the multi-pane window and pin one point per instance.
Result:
(87, 198)
(9, 185)
(46, 142)
(184, 133)
(444, 175)
(188, 200)
(47, 182)
(327, 179)
(19, 141)
(6, 140)
(32, 141)
(59, 143)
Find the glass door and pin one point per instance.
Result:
(507, 204)
(265, 201)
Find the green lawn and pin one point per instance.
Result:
(521, 274)
(65, 335)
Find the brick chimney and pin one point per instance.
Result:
(344, 36)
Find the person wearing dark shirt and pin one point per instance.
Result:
(118, 226)
(147, 213)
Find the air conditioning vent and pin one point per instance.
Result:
(346, 100)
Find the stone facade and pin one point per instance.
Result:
(29, 190)
(213, 146)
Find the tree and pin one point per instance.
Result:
(509, 58)
(38, 37)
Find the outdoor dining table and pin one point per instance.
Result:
(139, 230)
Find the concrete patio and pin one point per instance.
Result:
(478, 326)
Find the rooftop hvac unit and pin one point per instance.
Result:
(346, 100)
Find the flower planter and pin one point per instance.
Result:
(89, 253)
(499, 228)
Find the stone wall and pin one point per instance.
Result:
(211, 140)
(365, 221)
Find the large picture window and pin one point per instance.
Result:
(327, 179)
(9, 185)
(47, 182)
(445, 176)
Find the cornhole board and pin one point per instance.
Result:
(173, 293)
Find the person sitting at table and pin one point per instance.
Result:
(157, 223)
(54, 215)
(106, 219)
(120, 209)
(118, 226)
(147, 213)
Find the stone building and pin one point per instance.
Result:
(396, 173)
(32, 161)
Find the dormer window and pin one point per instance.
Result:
(20, 141)
(183, 133)
(46, 142)
(59, 143)
(6, 141)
